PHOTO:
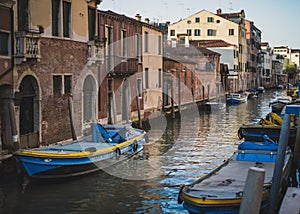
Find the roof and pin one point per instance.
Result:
(210, 43)
(188, 51)
(264, 44)
(133, 20)
(232, 15)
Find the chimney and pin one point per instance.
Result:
(219, 11)
(147, 20)
(138, 17)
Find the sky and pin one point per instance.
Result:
(279, 20)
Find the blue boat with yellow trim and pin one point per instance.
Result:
(106, 146)
(221, 190)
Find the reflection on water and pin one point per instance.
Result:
(190, 147)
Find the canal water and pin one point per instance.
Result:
(179, 151)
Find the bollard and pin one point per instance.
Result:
(276, 181)
(252, 194)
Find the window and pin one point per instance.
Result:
(172, 32)
(57, 85)
(211, 32)
(4, 43)
(146, 77)
(210, 19)
(91, 22)
(197, 19)
(67, 19)
(23, 15)
(159, 78)
(231, 32)
(55, 17)
(62, 84)
(124, 43)
(197, 32)
(189, 32)
(159, 45)
(139, 87)
(146, 42)
(209, 66)
(138, 46)
(241, 49)
(68, 84)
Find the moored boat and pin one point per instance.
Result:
(236, 98)
(108, 145)
(261, 89)
(252, 93)
(280, 103)
(221, 190)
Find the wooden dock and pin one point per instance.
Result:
(290, 203)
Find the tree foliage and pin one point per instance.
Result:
(291, 71)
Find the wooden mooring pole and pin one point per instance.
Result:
(276, 181)
(252, 194)
(70, 105)
(296, 153)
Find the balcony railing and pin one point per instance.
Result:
(27, 45)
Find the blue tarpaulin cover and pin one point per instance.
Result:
(270, 146)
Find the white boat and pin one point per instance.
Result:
(279, 103)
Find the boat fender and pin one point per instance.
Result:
(240, 134)
(179, 200)
(135, 146)
(90, 149)
(118, 153)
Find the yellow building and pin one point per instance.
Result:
(205, 25)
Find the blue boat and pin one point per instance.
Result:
(236, 98)
(252, 93)
(221, 190)
(108, 145)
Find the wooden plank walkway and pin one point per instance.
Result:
(291, 201)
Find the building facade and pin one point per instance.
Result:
(51, 69)
(7, 118)
(266, 73)
(229, 27)
(253, 36)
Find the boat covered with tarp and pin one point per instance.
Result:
(221, 190)
(106, 146)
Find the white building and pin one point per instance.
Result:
(266, 63)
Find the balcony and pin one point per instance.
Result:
(95, 53)
(121, 66)
(27, 46)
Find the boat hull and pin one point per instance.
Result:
(82, 157)
(53, 167)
